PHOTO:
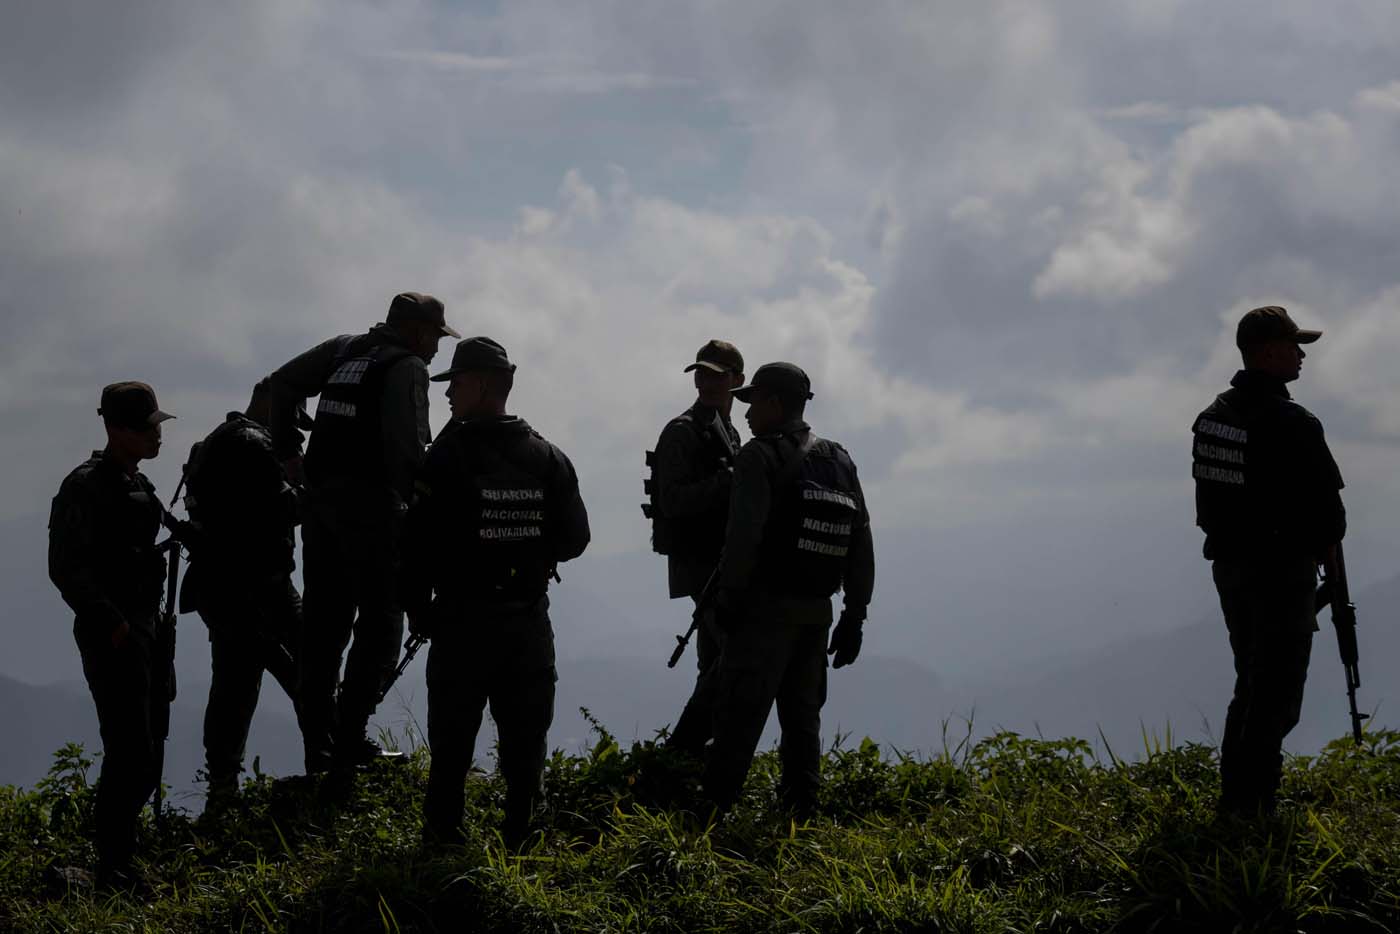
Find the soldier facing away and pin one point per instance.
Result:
(693, 469)
(367, 443)
(241, 581)
(798, 532)
(103, 559)
(1268, 499)
(498, 510)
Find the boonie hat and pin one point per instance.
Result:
(1270, 323)
(476, 353)
(720, 356)
(416, 306)
(784, 379)
(130, 404)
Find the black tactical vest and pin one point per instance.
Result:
(128, 520)
(700, 536)
(503, 521)
(1234, 483)
(345, 439)
(816, 505)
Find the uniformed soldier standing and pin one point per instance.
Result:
(1268, 499)
(798, 531)
(368, 441)
(103, 559)
(498, 509)
(240, 581)
(694, 466)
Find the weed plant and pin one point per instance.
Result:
(1007, 834)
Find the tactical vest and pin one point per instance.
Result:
(1225, 463)
(501, 527)
(127, 522)
(201, 500)
(346, 439)
(690, 536)
(816, 505)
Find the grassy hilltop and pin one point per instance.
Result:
(1009, 834)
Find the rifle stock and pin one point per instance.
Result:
(1336, 592)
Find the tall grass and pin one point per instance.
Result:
(1007, 834)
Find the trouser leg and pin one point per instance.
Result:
(378, 633)
(799, 701)
(695, 726)
(329, 616)
(1270, 617)
(282, 642)
(120, 682)
(456, 702)
(750, 672)
(236, 680)
(523, 707)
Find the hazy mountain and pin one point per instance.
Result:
(1179, 680)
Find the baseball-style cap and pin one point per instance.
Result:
(130, 404)
(476, 353)
(416, 306)
(720, 356)
(784, 379)
(1270, 323)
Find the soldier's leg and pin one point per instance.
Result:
(282, 631)
(695, 726)
(1240, 622)
(1287, 617)
(329, 615)
(800, 699)
(456, 701)
(378, 630)
(235, 682)
(750, 671)
(522, 704)
(120, 682)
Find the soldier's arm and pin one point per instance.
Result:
(858, 581)
(1329, 515)
(404, 423)
(420, 535)
(682, 489)
(572, 534)
(73, 557)
(749, 504)
(293, 383)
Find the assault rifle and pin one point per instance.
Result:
(410, 649)
(702, 606)
(164, 680)
(1334, 591)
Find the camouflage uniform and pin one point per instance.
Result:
(369, 438)
(776, 642)
(499, 507)
(1267, 497)
(240, 582)
(102, 558)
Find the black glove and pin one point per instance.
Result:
(845, 639)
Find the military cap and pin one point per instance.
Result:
(1270, 323)
(720, 356)
(782, 379)
(420, 308)
(130, 404)
(476, 353)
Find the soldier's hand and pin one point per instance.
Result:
(120, 633)
(846, 638)
(294, 471)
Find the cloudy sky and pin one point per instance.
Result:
(1008, 240)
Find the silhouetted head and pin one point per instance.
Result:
(777, 394)
(132, 419)
(479, 379)
(1270, 342)
(718, 368)
(419, 320)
